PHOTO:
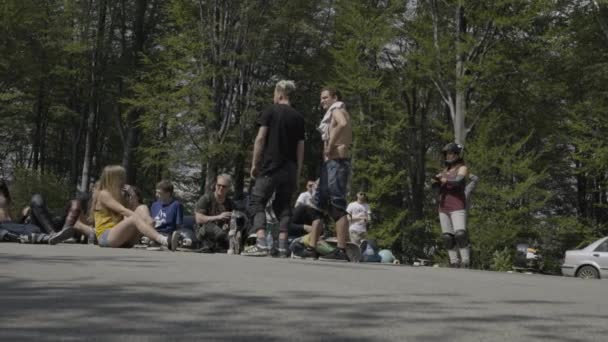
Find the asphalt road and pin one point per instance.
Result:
(75, 292)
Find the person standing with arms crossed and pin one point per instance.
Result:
(451, 182)
(278, 154)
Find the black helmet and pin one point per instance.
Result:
(453, 148)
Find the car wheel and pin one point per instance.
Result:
(588, 272)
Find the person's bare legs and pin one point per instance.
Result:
(128, 229)
(342, 231)
(83, 228)
(315, 232)
(143, 212)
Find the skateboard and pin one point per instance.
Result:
(352, 250)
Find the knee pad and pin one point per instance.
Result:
(336, 213)
(448, 240)
(462, 238)
(37, 201)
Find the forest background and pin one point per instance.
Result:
(171, 90)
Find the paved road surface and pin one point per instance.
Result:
(74, 292)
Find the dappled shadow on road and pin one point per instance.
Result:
(193, 311)
(85, 306)
(140, 261)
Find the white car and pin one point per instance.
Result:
(590, 262)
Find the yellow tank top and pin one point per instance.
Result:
(103, 222)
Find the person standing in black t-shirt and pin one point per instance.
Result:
(278, 154)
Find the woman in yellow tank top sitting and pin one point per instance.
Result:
(115, 224)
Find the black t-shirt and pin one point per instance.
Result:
(285, 130)
(209, 206)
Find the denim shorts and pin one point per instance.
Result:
(103, 239)
(333, 183)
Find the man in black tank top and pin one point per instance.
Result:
(278, 155)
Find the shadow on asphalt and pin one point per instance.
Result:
(71, 310)
(83, 260)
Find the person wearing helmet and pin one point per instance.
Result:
(451, 182)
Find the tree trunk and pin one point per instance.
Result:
(460, 105)
(38, 130)
(93, 107)
(131, 143)
(129, 161)
(88, 155)
(210, 174)
(75, 149)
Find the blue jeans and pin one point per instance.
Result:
(331, 191)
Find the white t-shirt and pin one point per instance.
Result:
(304, 198)
(358, 212)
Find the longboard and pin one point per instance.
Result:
(352, 250)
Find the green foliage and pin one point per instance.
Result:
(506, 206)
(183, 81)
(55, 191)
(502, 260)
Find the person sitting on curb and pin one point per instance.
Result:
(116, 225)
(167, 212)
(37, 225)
(212, 214)
(305, 198)
(73, 223)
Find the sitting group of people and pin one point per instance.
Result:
(278, 153)
(113, 215)
(37, 225)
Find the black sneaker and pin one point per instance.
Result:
(337, 254)
(169, 245)
(282, 253)
(304, 253)
(62, 235)
(175, 241)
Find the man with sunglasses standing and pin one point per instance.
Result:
(212, 214)
(359, 215)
